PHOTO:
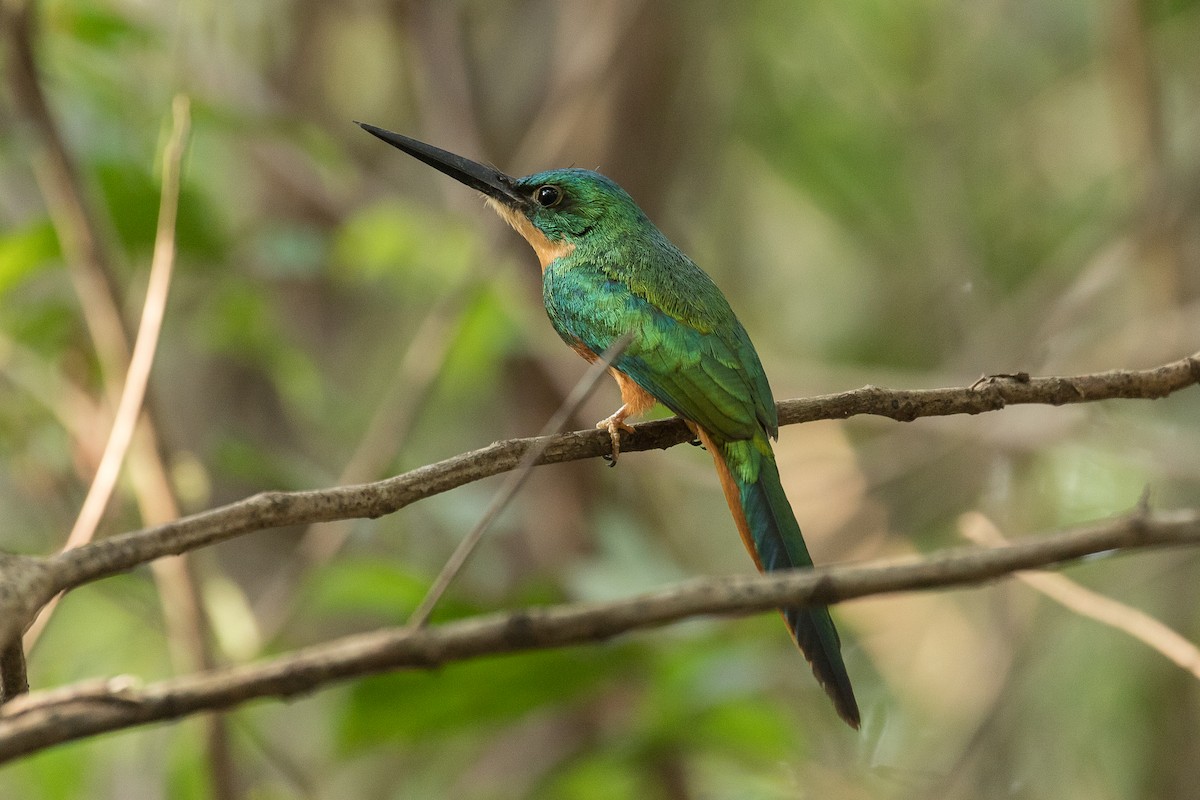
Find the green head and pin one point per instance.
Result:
(553, 210)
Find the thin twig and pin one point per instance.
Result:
(90, 267)
(129, 408)
(31, 723)
(516, 479)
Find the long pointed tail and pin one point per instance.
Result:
(769, 529)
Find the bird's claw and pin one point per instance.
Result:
(614, 425)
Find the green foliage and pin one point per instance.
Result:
(1087, 483)
(238, 459)
(242, 323)
(483, 693)
(131, 192)
(52, 775)
(45, 324)
(486, 336)
(407, 244)
(906, 194)
(91, 24)
(25, 252)
(380, 590)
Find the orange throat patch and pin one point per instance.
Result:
(547, 251)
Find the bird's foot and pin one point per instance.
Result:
(614, 425)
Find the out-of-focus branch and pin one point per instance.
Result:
(1138, 90)
(90, 266)
(71, 406)
(119, 553)
(87, 259)
(13, 680)
(44, 719)
(129, 408)
(1085, 602)
(146, 344)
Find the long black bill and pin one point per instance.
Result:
(488, 180)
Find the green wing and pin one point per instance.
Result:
(708, 373)
(703, 367)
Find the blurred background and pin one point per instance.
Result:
(907, 194)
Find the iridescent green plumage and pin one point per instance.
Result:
(607, 270)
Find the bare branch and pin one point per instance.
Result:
(275, 509)
(1083, 601)
(90, 267)
(13, 680)
(43, 719)
(992, 393)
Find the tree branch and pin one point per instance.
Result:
(42, 719)
(90, 265)
(137, 377)
(1134, 622)
(119, 553)
(13, 680)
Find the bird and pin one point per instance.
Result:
(609, 273)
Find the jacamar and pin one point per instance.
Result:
(607, 270)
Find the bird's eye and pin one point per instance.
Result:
(547, 196)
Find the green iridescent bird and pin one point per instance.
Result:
(607, 270)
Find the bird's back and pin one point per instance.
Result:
(688, 350)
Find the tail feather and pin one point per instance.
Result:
(770, 532)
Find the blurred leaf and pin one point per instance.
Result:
(189, 772)
(90, 23)
(1160, 10)
(628, 560)
(132, 195)
(379, 588)
(713, 693)
(47, 324)
(753, 730)
(59, 773)
(25, 251)
(789, 119)
(484, 339)
(411, 245)
(241, 321)
(291, 251)
(416, 706)
(1089, 483)
(248, 462)
(602, 775)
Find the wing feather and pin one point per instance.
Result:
(710, 376)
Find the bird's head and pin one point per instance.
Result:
(555, 210)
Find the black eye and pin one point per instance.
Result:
(547, 196)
